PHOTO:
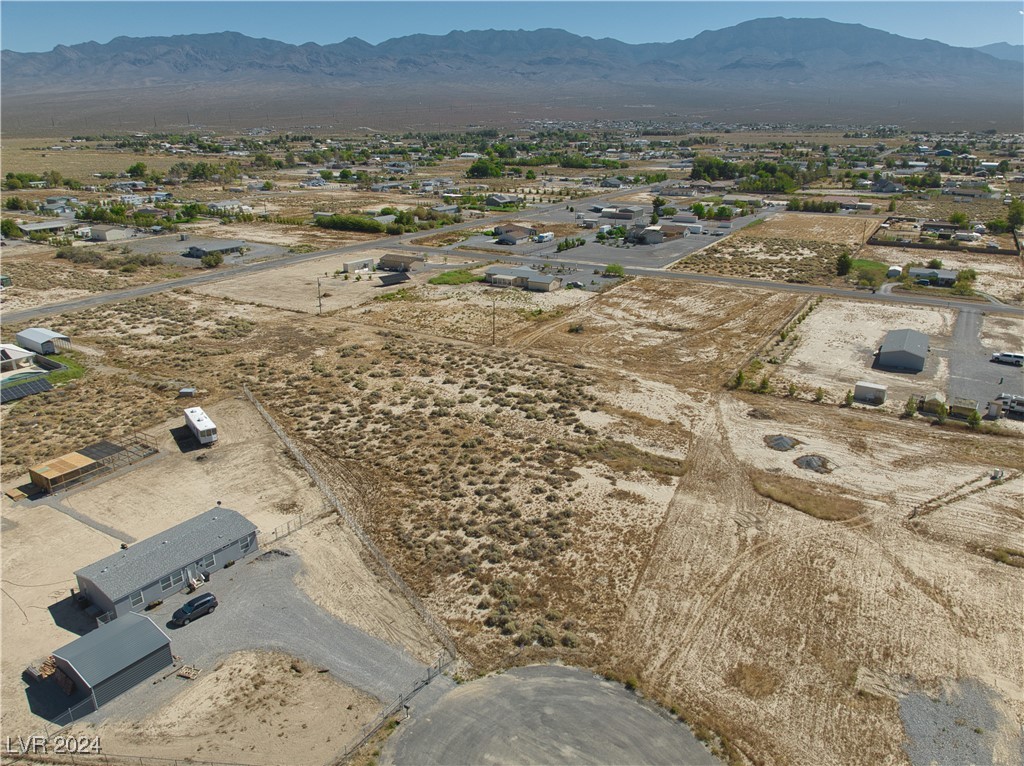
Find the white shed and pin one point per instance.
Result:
(869, 393)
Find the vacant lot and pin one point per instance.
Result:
(777, 260)
(254, 707)
(811, 227)
(40, 278)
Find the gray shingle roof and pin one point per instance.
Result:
(113, 647)
(148, 560)
(906, 340)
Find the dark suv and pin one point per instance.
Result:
(194, 608)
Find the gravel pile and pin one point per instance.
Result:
(815, 463)
(781, 443)
(958, 725)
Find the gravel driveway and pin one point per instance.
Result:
(261, 608)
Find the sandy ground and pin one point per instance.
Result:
(246, 471)
(1001, 276)
(835, 359)
(597, 487)
(294, 288)
(873, 596)
(41, 550)
(253, 707)
(337, 575)
(814, 227)
(1001, 333)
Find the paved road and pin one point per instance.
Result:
(542, 715)
(972, 373)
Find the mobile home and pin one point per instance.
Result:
(200, 425)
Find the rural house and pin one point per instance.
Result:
(163, 564)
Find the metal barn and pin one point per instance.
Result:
(113, 658)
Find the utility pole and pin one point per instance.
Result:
(493, 310)
(319, 299)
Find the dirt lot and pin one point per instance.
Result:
(940, 207)
(594, 497)
(40, 278)
(778, 260)
(835, 361)
(294, 288)
(812, 227)
(254, 706)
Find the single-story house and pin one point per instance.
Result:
(396, 262)
(228, 206)
(42, 341)
(220, 248)
(102, 232)
(651, 235)
(904, 350)
(885, 186)
(522, 276)
(148, 570)
(12, 357)
(113, 658)
(500, 200)
(612, 183)
(743, 199)
(513, 234)
(61, 224)
(939, 277)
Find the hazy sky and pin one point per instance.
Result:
(40, 25)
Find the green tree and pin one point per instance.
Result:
(484, 168)
(974, 419)
(10, 229)
(910, 408)
(698, 209)
(1015, 214)
(892, 206)
(941, 413)
(16, 203)
(268, 185)
(935, 263)
(848, 399)
(959, 218)
(843, 264)
(654, 218)
(531, 175)
(819, 394)
(212, 260)
(138, 170)
(614, 270)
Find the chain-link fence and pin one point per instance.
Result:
(396, 579)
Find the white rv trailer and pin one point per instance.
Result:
(200, 425)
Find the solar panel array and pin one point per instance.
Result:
(20, 391)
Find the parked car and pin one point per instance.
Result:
(195, 608)
(923, 282)
(1005, 358)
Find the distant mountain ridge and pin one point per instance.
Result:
(758, 65)
(1004, 51)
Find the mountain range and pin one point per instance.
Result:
(760, 70)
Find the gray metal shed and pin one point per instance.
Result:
(904, 350)
(115, 657)
(42, 340)
(160, 565)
